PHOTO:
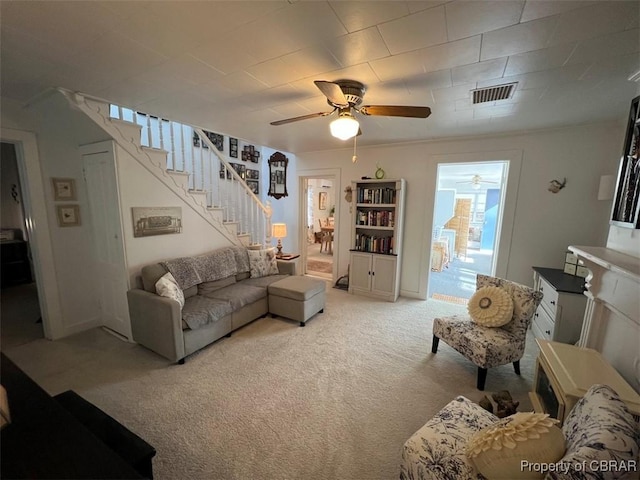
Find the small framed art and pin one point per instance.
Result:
(68, 215)
(64, 189)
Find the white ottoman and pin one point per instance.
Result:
(296, 297)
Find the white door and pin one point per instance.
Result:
(104, 209)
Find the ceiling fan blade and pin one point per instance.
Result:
(395, 111)
(333, 92)
(302, 117)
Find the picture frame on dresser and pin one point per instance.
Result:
(626, 203)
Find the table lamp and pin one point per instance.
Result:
(279, 231)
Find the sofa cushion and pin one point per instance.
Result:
(206, 288)
(263, 262)
(200, 310)
(184, 271)
(242, 259)
(264, 282)
(239, 294)
(297, 288)
(151, 274)
(600, 428)
(216, 265)
(168, 287)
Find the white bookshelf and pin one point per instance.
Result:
(376, 237)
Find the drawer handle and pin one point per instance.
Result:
(552, 302)
(548, 332)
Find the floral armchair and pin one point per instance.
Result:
(490, 347)
(602, 441)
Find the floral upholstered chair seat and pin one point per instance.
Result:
(489, 347)
(486, 347)
(437, 450)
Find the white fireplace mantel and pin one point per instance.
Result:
(612, 316)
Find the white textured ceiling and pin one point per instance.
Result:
(233, 67)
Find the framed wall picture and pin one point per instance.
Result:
(64, 189)
(254, 185)
(233, 147)
(148, 221)
(68, 215)
(322, 201)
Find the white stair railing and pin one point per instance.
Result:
(190, 151)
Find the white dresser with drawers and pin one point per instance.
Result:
(560, 313)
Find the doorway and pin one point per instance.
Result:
(319, 209)
(20, 309)
(467, 220)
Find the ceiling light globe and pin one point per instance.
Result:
(344, 128)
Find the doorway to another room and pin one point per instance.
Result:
(467, 220)
(20, 308)
(320, 222)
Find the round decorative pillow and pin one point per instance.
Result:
(491, 307)
(499, 450)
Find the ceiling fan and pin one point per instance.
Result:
(476, 181)
(345, 96)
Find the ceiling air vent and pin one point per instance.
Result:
(491, 94)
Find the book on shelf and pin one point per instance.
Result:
(379, 195)
(375, 218)
(374, 244)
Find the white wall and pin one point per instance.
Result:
(59, 131)
(138, 188)
(545, 223)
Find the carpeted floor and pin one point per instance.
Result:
(336, 399)
(317, 266)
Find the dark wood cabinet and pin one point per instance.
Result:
(15, 267)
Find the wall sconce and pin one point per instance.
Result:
(279, 231)
(556, 185)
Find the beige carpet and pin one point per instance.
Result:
(333, 400)
(317, 266)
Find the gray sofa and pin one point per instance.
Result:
(219, 297)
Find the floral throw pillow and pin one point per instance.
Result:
(263, 262)
(168, 287)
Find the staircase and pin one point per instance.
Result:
(185, 160)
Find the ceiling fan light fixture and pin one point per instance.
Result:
(344, 127)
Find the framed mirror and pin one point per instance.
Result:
(278, 175)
